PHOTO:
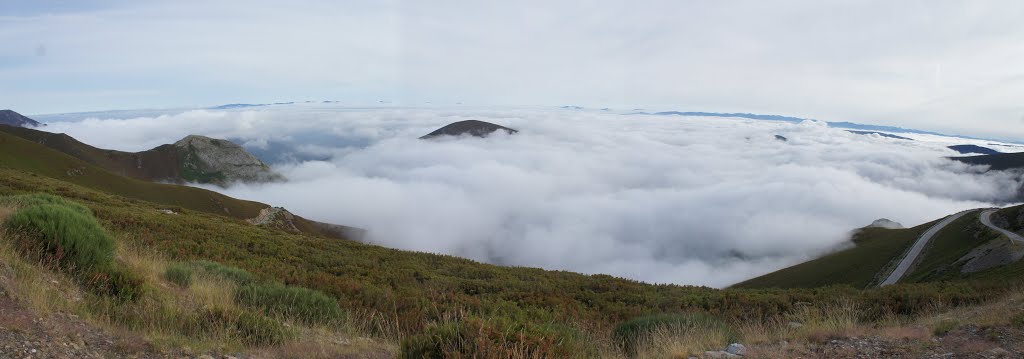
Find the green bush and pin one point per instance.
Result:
(629, 333)
(494, 338)
(239, 276)
(179, 274)
(306, 305)
(64, 234)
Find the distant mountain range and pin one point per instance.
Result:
(843, 125)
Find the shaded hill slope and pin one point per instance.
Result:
(973, 149)
(996, 162)
(193, 159)
(11, 118)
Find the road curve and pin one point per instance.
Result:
(916, 249)
(986, 219)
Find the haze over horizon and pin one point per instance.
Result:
(941, 66)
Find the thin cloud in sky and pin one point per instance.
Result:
(945, 66)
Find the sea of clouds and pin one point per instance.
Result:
(687, 200)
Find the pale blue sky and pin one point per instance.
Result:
(949, 66)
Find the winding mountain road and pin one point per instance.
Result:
(986, 219)
(916, 249)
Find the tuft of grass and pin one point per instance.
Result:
(35, 199)
(236, 275)
(655, 332)
(473, 337)
(179, 274)
(302, 304)
(65, 235)
(945, 326)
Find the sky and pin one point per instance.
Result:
(947, 66)
(686, 200)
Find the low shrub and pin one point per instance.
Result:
(179, 274)
(495, 338)
(631, 333)
(116, 282)
(249, 328)
(65, 235)
(237, 275)
(303, 304)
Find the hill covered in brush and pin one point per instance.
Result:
(196, 159)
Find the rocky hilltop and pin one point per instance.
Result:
(11, 118)
(210, 160)
(468, 128)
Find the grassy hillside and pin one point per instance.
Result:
(875, 251)
(161, 163)
(18, 153)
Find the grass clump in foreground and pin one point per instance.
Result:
(303, 304)
(474, 337)
(179, 274)
(66, 235)
(236, 275)
(60, 233)
(687, 332)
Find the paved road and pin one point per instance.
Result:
(916, 249)
(986, 219)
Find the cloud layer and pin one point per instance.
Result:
(688, 200)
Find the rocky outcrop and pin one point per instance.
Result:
(885, 223)
(277, 218)
(469, 128)
(210, 160)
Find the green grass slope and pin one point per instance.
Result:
(21, 154)
(162, 163)
(875, 251)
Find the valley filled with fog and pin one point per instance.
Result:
(666, 199)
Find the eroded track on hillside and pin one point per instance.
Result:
(915, 251)
(986, 219)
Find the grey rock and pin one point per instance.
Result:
(736, 348)
(720, 355)
(223, 159)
